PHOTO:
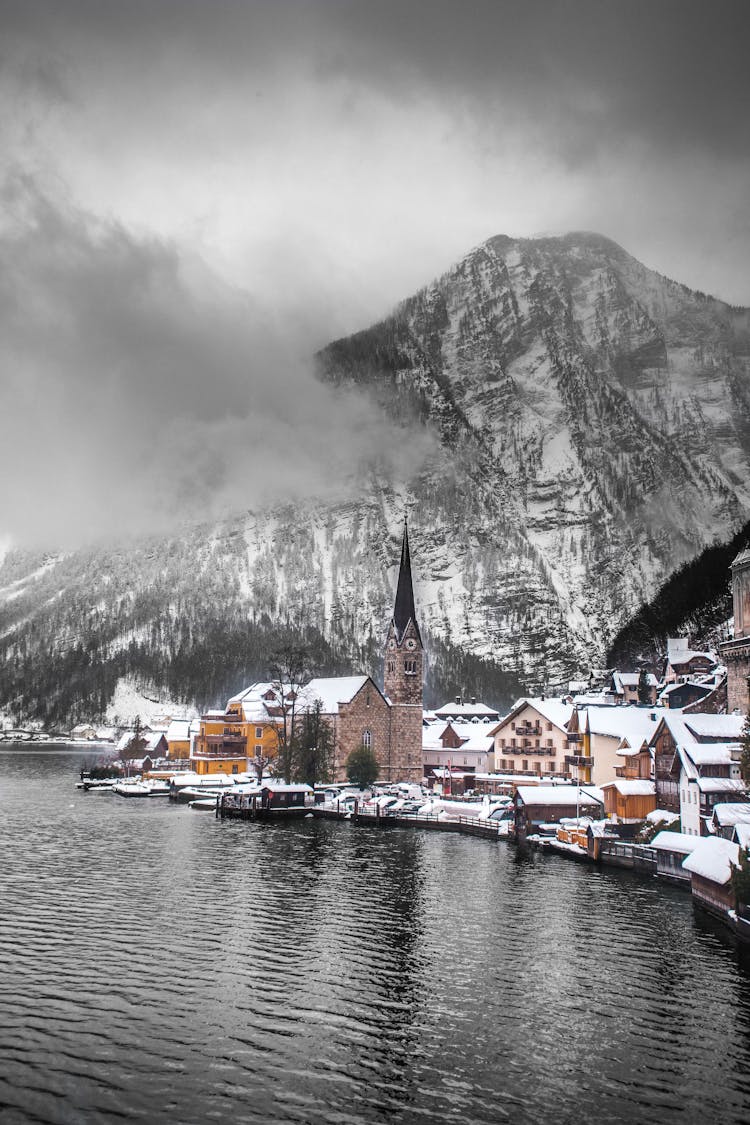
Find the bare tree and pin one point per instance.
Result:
(289, 673)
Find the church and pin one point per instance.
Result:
(388, 722)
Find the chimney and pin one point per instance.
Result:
(458, 700)
(473, 701)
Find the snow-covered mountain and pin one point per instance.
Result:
(594, 423)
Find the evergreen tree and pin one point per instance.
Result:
(314, 747)
(362, 767)
(288, 675)
(644, 691)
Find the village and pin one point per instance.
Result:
(629, 769)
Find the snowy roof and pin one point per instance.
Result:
(712, 753)
(720, 785)
(331, 691)
(726, 727)
(178, 730)
(559, 795)
(553, 710)
(633, 723)
(465, 708)
(713, 858)
(661, 816)
(732, 812)
(477, 736)
(742, 834)
(632, 787)
(679, 651)
(675, 842)
(632, 679)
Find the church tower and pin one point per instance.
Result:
(402, 678)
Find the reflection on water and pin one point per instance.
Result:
(160, 965)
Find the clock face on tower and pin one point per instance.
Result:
(391, 644)
(411, 643)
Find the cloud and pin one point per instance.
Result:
(138, 392)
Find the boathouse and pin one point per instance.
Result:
(549, 804)
(710, 867)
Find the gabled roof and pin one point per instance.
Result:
(713, 859)
(727, 728)
(332, 691)
(178, 730)
(632, 787)
(732, 812)
(633, 723)
(560, 795)
(679, 651)
(675, 842)
(553, 710)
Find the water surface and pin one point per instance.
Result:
(159, 965)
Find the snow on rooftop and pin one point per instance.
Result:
(675, 842)
(553, 710)
(469, 708)
(661, 816)
(732, 812)
(713, 858)
(559, 795)
(720, 785)
(178, 730)
(712, 753)
(331, 691)
(726, 727)
(742, 832)
(632, 787)
(633, 723)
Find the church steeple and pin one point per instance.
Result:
(403, 657)
(404, 611)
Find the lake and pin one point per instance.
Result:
(159, 965)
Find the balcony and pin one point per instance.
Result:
(574, 736)
(525, 729)
(233, 740)
(579, 760)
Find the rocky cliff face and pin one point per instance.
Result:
(594, 422)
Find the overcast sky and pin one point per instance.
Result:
(198, 193)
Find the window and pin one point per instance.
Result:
(258, 750)
(552, 767)
(259, 732)
(391, 665)
(549, 726)
(525, 765)
(537, 767)
(536, 743)
(367, 739)
(549, 743)
(410, 667)
(235, 769)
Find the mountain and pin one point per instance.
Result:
(594, 435)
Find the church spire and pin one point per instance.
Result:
(404, 610)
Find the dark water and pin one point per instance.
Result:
(160, 966)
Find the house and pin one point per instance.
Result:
(602, 731)
(178, 739)
(629, 800)
(83, 732)
(672, 848)
(464, 746)
(696, 763)
(549, 804)
(727, 815)
(533, 738)
(683, 661)
(684, 693)
(710, 868)
(624, 686)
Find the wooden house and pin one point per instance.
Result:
(549, 804)
(629, 800)
(710, 868)
(672, 848)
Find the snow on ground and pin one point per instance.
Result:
(130, 700)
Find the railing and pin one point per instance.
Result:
(223, 739)
(578, 760)
(527, 729)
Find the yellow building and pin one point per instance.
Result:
(239, 737)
